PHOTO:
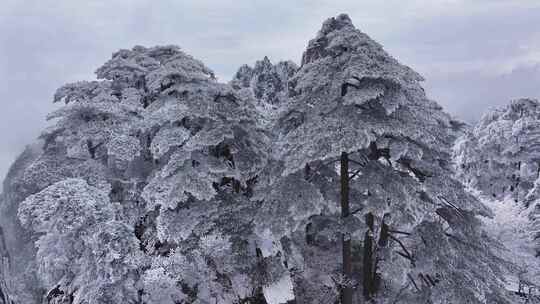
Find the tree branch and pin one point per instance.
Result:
(405, 256)
(357, 162)
(421, 176)
(403, 247)
(399, 232)
(424, 280)
(356, 211)
(355, 173)
(461, 241)
(320, 166)
(458, 210)
(430, 280)
(412, 280)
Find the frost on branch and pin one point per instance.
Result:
(350, 97)
(88, 125)
(166, 139)
(288, 205)
(81, 244)
(158, 184)
(501, 155)
(268, 83)
(498, 159)
(212, 139)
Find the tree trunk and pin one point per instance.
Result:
(346, 292)
(368, 265)
(385, 233)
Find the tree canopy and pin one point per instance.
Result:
(156, 183)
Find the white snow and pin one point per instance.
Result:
(279, 292)
(511, 226)
(267, 243)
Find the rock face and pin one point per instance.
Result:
(266, 81)
(4, 268)
(18, 281)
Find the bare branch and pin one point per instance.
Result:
(356, 211)
(458, 210)
(405, 256)
(320, 166)
(403, 247)
(357, 163)
(412, 280)
(430, 280)
(399, 232)
(424, 280)
(355, 173)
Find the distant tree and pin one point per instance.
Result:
(501, 154)
(499, 157)
(267, 84)
(267, 81)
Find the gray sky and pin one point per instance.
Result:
(475, 54)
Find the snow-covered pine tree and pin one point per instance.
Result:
(84, 254)
(207, 149)
(498, 158)
(169, 156)
(268, 82)
(161, 185)
(354, 104)
(92, 138)
(500, 155)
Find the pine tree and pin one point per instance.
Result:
(158, 184)
(500, 155)
(353, 103)
(84, 254)
(498, 159)
(268, 82)
(171, 156)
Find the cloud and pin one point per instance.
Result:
(472, 94)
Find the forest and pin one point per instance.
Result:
(335, 180)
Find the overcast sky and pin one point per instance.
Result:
(475, 54)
